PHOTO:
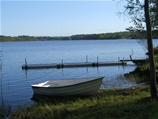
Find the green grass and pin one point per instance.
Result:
(132, 103)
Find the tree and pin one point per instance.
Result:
(145, 13)
(153, 88)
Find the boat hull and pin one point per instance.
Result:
(87, 87)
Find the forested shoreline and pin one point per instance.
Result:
(104, 36)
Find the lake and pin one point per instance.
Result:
(15, 82)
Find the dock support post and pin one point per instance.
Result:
(86, 58)
(25, 64)
(123, 61)
(62, 65)
(130, 57)
(97, 61)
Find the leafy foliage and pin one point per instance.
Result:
(135, 9)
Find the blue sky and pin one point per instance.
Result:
(61, 18)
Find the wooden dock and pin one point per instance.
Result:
(72, 65)
(136, 61)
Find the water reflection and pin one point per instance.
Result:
(117, 81)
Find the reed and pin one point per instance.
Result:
(5, 110)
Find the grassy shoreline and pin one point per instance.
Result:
(128, 103)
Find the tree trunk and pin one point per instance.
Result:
(153, 88)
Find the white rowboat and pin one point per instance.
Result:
(82, 86)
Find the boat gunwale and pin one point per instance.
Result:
(35, 87)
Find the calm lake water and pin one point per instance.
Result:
(15, 82)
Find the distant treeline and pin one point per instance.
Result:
(116, 35)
